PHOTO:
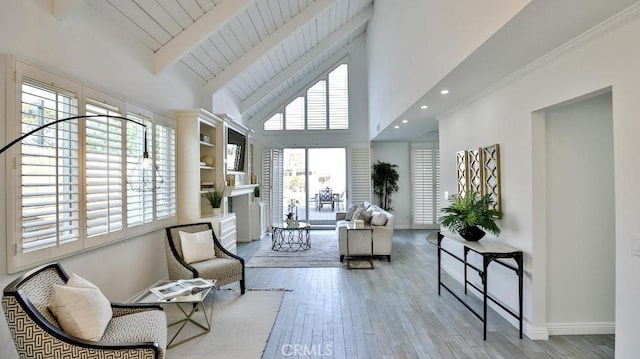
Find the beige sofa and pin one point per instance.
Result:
(381, 223)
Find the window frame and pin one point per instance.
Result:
(17, 258)
(303, 93)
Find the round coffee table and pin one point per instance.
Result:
(290, 238)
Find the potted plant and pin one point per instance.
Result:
(385, 182)
(256, 192)
(470, 215)
(215, 199)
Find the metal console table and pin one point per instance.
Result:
(491, 252)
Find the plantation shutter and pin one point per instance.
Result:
(165, 160)
(339, 98)
(49, 168)
(360, 173)
(425, 184)
(272, 174)
(317, 106)
(104, 169)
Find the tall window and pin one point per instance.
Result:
(425, 184)
(71, 176)
(324, 106)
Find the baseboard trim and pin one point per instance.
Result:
(589, 328)
(537, 333)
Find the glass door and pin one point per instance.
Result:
(314, 184)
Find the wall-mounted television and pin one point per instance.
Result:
(236, 143)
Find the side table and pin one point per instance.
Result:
(192, 302)
(359, 244)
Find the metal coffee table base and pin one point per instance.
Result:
(188, 318)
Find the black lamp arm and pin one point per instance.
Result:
(146, 154)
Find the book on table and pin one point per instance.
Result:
(181, 287)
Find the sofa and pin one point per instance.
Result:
(381, 223)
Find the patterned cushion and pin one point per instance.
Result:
(147, 326)
(197, 246)
(366, 216)
(357, 214)
(81, 308)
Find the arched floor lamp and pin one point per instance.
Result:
(136, 179)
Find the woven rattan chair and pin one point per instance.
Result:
(226, 267)
(135, 330)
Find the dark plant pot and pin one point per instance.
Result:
(472, 233)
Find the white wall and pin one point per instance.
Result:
(405, 40)
(580, 217)
(223, 101)
(609, 58)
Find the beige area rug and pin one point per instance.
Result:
(241, 325)
(323, 253)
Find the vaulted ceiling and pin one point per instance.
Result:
(257, 49)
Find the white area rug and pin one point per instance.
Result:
(323, 253)
(241, 325)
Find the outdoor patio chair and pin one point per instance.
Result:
(325, 196)
(134, 330)
(221, 265)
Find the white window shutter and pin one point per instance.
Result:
(360, 173)
(425, 184)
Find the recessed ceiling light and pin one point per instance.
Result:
(444, 92)
(404, 121)
(424, 107)
(396, 126)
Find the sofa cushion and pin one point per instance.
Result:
(81, 308)
(378, 219)
(350, 212)
(197, 246)
(366, 216)
(146, 326)
(357, 214)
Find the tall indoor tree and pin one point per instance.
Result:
(385, 182)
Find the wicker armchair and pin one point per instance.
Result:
(135, 331)
(226, 267)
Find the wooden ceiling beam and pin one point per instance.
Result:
(197, 32)
(342, 32)
(265, 46)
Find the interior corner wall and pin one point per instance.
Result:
(223, 101)
(580, 217)
(396, 153)
(410, 48)
(607, 57)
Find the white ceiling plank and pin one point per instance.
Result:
(232, 40)
(285, 9)
(196, 33)
(257, 21)
(217, 58)
(267, 17)
(276, 13)
(125, 23)
(62, 8)
(137, 15)
(243, 26)
(272, 105)
(223, 47)
(323, 46)
(266, 45)
(192, 8)
(163, 18)
(176, 11)
(206, 5)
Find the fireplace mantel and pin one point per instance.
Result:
(239, 190)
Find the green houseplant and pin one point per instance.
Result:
(215, 199)
(385, 182)
(470, 215)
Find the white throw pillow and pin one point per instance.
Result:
(81, 308)
(197, 247)
(378, 219)
(357, 214)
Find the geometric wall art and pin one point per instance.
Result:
(462, 172)
(478, 170)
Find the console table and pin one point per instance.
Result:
(490, 251)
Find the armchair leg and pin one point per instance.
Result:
(341, 258)
(242, 288)
(389, 258)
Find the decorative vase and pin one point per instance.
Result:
(290, 222)
(216, 211)
(472, 233)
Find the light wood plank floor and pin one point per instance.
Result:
(393, 311)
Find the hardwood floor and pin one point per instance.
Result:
(393, 311)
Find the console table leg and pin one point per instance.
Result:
(485, 289)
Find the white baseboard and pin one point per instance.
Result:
(581, 328)
(537, 333)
